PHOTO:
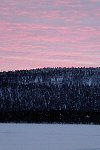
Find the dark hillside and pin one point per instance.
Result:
(67, 95)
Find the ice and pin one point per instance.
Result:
(49, 137)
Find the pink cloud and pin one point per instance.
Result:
(49, 33)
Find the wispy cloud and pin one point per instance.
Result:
(49, 33)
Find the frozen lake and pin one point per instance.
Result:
(49, 137)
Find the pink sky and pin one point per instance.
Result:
(49, 33)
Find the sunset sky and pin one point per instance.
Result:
(49, 33)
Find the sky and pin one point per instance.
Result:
(49, 33)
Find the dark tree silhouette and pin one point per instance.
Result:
(65, 95)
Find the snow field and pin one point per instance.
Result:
(49, 137)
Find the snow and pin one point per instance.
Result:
(49, 137)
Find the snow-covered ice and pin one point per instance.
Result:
(49, 137)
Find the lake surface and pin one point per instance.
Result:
(49, 137)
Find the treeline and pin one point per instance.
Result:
(68, 95)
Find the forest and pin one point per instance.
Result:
(53, 95)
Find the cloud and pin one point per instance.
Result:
(49, 33)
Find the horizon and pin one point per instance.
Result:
(47, 33)
(50, 68)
